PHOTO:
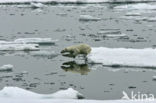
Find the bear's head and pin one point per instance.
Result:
(68, 53)
(64, 50)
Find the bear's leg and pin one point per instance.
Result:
(75, 53)
(85, 58)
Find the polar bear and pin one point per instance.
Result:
(75, 50)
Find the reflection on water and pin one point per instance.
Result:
(69, 55)
(73, 67)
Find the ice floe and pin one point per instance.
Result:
(140, 6)
(35, 41)
(139, 18)
(67, 94)
(5, 42)
(30, 41)
(154, 77)
(70, 101)
(115, 35)
(25, 44)
(111, 33)
(37, 54)
(118, 57)
(133, 14)
(19, 47)
(88, 18)
(7, 67)
(37, 5)
(18, 93)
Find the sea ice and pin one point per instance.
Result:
(118, 57)
(7, 67)
(19, 47)
(35, 41)
(18, 93)
(37, 5)
(88, 18)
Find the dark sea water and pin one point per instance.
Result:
(132, 27)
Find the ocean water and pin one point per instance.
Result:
(76, 1)
(99, 25)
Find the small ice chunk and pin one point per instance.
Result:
(19, 47)
(150, 19)
(133, 14)
(154, 77)
(116, 35)
(37, 5)
(109, 32)
(24, 72)
(88, 18)
(35, 40)
(7, 67)
(5, 42)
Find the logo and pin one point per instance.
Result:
(138, 96)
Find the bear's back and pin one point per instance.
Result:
(84, 48)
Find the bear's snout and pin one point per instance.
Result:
(62, 51)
